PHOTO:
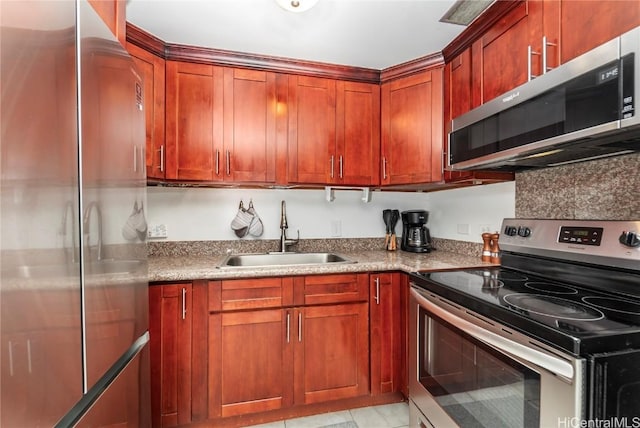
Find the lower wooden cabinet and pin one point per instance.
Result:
(388, 305)
(270, 351)
(223, 349)
(170, 329)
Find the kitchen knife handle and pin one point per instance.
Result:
(184, 303)
(377, 281)
(161, 158)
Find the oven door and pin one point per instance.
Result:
(468, 371)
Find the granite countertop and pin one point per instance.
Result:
(185, 268)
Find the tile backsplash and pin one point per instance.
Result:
(605, 189)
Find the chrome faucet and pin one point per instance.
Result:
(86, 224)
(284, 241)
(71, 253)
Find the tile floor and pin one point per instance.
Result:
(394, 415)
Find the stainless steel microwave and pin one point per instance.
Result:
(584, 109)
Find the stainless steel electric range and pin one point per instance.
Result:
(549, 338)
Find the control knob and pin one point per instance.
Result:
(510, 230)
(629, 239)
(524, 231)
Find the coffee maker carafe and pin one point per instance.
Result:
(415, 235)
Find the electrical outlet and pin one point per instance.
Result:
(336, 228)
(463, 229)
(157, 231)
(485, 228)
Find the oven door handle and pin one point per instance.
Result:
(553, 364)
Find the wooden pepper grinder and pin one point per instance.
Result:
(486, 249)
(495, 248)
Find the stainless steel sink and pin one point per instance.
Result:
(281, 259)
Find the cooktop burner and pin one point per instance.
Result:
(548, 287)
(613, 304)
(551, 306)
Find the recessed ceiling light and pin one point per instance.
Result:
(296, 5)
(463, 12)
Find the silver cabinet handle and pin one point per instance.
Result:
(530, 53)
(340, 163)
(299, 326)
(135, 158)
(29, 355)
(184, 303)
(377, 281)
(10, 358)
(228, 162)
(217, 162)
(384, 168)
(331, 175)
(161, 158)
(288, 327)
(545, 44)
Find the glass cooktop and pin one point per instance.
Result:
(574, 318)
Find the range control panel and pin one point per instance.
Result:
(610, 242)
(581, 235)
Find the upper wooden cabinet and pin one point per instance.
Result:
(194, 122)
(152, 69)
(412, 129)
(334, 132)
(584, 24)
(501, 55)
(250, 109)
(113, 13)
(221, 123)
(357, 134)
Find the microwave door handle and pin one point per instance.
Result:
(552, 364)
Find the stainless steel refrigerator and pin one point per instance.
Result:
(73, 290)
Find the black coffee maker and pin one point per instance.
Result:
(415, 235)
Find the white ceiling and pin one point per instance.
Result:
(373, 34)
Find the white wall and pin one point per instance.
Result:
(191, 214)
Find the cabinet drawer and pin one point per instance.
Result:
(253, 293)
(323, 289)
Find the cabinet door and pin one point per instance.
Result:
(387, 339)
(249, 125)
(194, 122)
(586, 24)
(170, 318)
(357, 134)
(312, 130)
(412, 129)
(250, 361)
(500, 55)
(331, 352)
(113, 13)
(152, 69)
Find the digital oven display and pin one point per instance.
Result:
(580, 235)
